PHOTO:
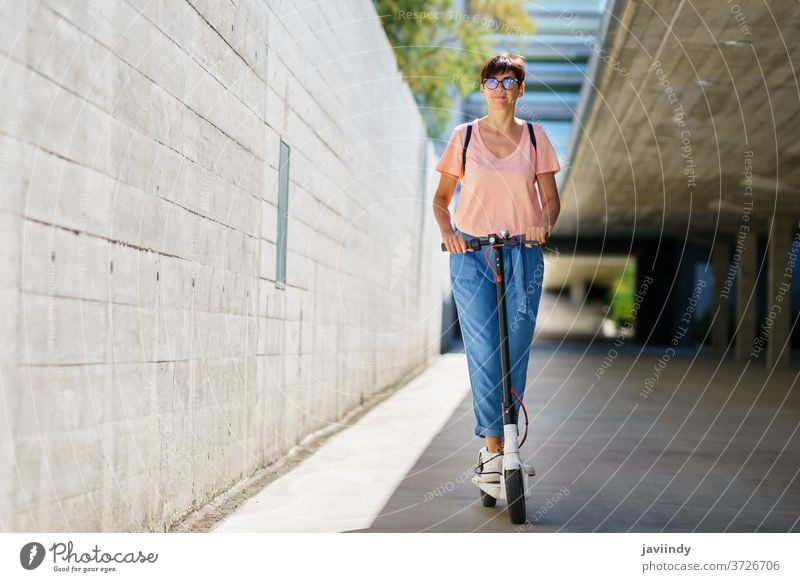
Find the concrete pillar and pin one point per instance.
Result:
(657, 266)
(720, 326)
(779, 298)
(746, 296)
(577, 292)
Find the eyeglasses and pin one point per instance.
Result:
(492, 83)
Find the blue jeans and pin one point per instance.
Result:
(475, 296)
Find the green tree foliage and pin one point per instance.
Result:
(440, 50)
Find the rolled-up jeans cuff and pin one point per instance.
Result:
(483, 431)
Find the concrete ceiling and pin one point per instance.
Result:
(732, 67)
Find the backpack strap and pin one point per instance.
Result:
(466, 145)
(469, 136)
(530, 130)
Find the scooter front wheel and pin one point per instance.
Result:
(487, 500)
(515, 495)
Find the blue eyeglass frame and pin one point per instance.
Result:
(492, 83)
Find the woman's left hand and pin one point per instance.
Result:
(537, 233)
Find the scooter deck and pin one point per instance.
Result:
(498, 490)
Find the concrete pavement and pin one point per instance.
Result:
(620, 442)
(347, 481)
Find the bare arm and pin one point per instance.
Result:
(551, 207)
(441, 210)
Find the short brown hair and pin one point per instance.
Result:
(502, 63)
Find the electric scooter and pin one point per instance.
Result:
(514, 486)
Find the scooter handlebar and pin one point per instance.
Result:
(475, 244)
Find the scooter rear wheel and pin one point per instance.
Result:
(487, 500)
(515, 494)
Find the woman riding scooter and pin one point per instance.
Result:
(503, 160)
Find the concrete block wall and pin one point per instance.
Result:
(148, 361)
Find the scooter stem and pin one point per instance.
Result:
(509, 410)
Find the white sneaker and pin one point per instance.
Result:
(490, 466)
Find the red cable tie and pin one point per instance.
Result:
(525, 412)
(497, 276)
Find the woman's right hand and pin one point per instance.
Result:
(455, 243)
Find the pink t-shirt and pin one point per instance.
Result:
(497, 193)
